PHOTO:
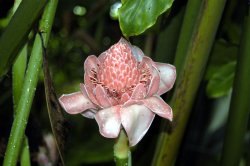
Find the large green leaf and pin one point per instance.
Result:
(221, 82)
(136, 16)
(17, 31)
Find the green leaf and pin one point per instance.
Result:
(17, 31)
(136, 16)
(222, 53)
(221, 82)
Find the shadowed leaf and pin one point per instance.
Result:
(57, 120)
(222, 81)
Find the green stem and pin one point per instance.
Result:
(25, 154)
(240, 106)
(17, 31)
(187, 31)
(122, 152)
(18, 73)
(29, 87)
(199, 46)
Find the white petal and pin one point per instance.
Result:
(109, 121)
(136, 120)
(168, 75)
(137, 52)
(90, 113)
(75, 103)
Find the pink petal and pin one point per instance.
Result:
(91, 63)
(136, 120)
(154, 84)
(102, 56)
(109, 121)
(125, 97)
(139, 92)
(101, 96)
(167, 75)
(90, 113)
(159, 106)
(75, 103)
(147, 61)
(136, 51)
(89, 92)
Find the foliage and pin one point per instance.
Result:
(163, 29)
(136, 16)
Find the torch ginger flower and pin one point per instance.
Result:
(122, 88)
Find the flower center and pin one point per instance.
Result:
(119, 71)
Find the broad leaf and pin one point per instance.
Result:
(221, 82)
(136, 16)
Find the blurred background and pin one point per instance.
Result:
(85, 27)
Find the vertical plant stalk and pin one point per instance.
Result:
(239, 106)
(188, 29)
(16, 33)
(18, 73)
(199, 46)
(29, 87)
(25, 153)
(122, 152)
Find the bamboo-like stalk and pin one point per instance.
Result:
(29, 87)
(188, 29)
(18, 73)
(239, 106)
(195, 56)
(16, 33)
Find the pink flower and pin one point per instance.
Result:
(122, 88)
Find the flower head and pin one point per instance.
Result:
(122, 88)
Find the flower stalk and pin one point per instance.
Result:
(199, 46)
(239, 107)
(29, 87)
(122, 152)
(18, 73)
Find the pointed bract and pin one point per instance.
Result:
(136, 120)
(109, 121)
(168, 75)
(75, 103)
(159, 107)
